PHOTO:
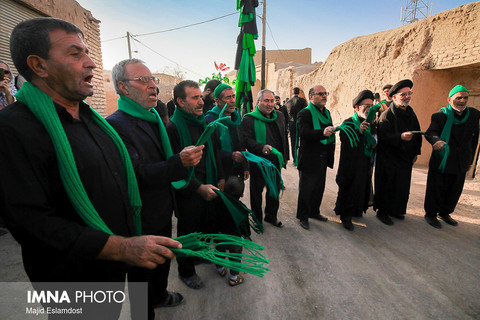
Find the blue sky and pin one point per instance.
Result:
(320, 25)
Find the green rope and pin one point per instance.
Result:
(210, 128)
(349, 132)
(243, 217)
(205, 246)
(44, 110)
(269, 173)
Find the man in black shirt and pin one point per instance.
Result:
(208, 98)
(42, 214)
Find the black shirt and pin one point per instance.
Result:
(56, 243)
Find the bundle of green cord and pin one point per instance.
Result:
(349, 131)
(269, 173)
(243, 217)
(204, 246)
(201, 141)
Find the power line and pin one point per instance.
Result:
(166, 57)
(183, 27)
(173, 29)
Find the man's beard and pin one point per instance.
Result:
(208, 100)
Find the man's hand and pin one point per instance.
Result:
(191, 155)
(143, 251)
(221, 184)
(439, 145)
(237, 156)
(364, 126)
(328, 131)
(267, 149)
(407, 136)
(206, 191)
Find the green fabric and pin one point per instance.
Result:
(233, 121)
(317, 118)
(447, 130)
(44, 110)
(132, 108)
(219, 89)
(243, 217)
(269, 172)
(372, 112)
(261, 131)
(205, 246)
(182, 120)
(458, 88)
(370, 141)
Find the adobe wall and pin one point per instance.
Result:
(71, 11)
(436, 53)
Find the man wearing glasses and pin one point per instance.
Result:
(397, 151)
(453, 133)
(143, 132)
(316, 148)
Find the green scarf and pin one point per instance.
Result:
(317, 118)
(132, 108)
(44, 110)
(243, 217)
(370, 141)
(269, 173)
(261, 131)
(447, 130)
(182, 120)
(228, 122)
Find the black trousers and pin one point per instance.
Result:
(310, 191)
(292, 127)
(443, 192)
(192, 217)
(257, 184)
(157, 280)
(392, 188)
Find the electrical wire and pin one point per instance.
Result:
(183, 27)
(166, 58)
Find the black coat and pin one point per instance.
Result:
(154, 173)
(276, 137)
(463, 142)
(311, 150)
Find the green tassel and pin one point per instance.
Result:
(204, 246)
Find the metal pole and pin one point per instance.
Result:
(129, 48)
(264, 23)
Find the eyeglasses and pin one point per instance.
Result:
(145, 79)
(321, 94)
(6, 72)
(404, 94)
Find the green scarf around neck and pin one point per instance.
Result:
(44, 110)
(261, 131)
(317, 118)
(447, 130)
(370, 141)
(229, 121)
(182, 121)
(132, 108)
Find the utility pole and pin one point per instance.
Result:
(129, 48)
(264, 23)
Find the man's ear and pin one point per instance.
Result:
(123, 87)
(179, 102)
(38, 66)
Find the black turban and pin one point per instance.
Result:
(399, 85)
(365, 94)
